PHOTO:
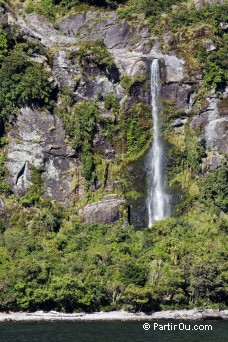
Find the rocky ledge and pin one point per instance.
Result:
(108, 210)
(38, 316)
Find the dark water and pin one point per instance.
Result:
(111, 332)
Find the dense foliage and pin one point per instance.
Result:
(198, 27)
(81, 125)
(55, 263)
(55, 8)
(94, 51)
(23, 81)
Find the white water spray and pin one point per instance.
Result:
(157, 200)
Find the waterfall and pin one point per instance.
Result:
(157, 199)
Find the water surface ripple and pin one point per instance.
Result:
(108, 332)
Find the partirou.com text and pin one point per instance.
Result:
(174, 326)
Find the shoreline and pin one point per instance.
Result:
(53, 316)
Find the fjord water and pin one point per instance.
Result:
(157, 200)
(108, 332)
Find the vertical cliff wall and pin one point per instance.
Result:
(105, 61)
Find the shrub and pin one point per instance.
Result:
(35, 191)
(22, 82)
(214, 189)
(88, 166)
(4, 187)
(111, 102)
(128, 82)
(95, 51)
(3, 45)
(81, 124)
(135, 125)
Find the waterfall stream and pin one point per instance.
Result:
(157, 199)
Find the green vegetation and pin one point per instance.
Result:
(189, 15)
(34, 193)
(188, 157)
(55, 8)
(23, 81)
(151, 9)
(74, 267)
(3, 45)
(198, 191)
(135, 125)
(81, 126)
(198, 27)
(4, 187)
(128, 82)
(130, 131)
(111, 102)
(214, 190)
(95, 52)
(44, 7)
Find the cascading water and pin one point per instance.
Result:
(157, 199)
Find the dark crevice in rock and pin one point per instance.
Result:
(179, 122)
(21, 172)
(113, 75)
(2, 128)
(129, 214)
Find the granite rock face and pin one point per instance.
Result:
(131, 48)
(213, 123)
(65, 72)
(86, 26)
(3, 16)
(37, 139)
(179, 94)
(107, 210)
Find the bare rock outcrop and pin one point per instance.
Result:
(129, 45)
(213, 123)
(38, 139)
(180, 95)
(66, 72)
(108, 210)
(200, 3)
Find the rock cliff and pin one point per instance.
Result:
(38, 137)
